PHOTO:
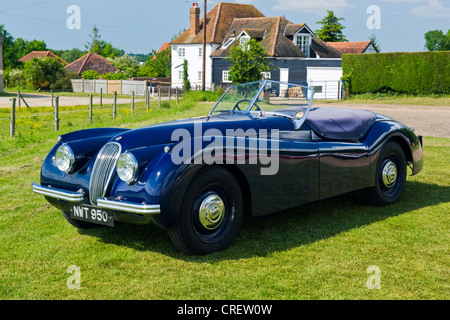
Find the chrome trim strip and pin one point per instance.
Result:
(131, 207)
(58, 193)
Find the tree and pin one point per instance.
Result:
(331, 30)
(42, 73)
(247, 62)
(102, 47)
(126, 64)
(375, 42)
(158, 65)
(71, 55)
(186, 83)
(436, 40)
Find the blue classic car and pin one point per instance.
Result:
(261, 149)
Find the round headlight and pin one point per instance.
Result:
(64, 158)
(127, 167)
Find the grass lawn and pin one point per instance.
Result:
(320, 251)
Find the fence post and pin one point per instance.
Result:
(147, 98)
(90, 108)
(115, 104)
(101, 97)
(56, 113)
(159, 97)
(169, 91)
(12, 130)
(51, 93)
(132, 102)
(176, 93)
(18, 97)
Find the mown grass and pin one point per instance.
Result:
(320, 251)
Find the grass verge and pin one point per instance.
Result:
(319, 251)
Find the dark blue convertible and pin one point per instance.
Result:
(261, 149)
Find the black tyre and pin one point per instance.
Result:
(390, 176)
(78, 223)
(211, 214)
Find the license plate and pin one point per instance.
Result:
(92, 214)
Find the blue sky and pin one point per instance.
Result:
(138, 26)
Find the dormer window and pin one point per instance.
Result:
(303, 41)
(230, 41)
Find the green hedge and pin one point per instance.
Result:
(400, 72)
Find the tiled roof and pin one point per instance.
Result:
(276, 37)
(40, 55)
(218, 20)
(91, 61)
(350, 47)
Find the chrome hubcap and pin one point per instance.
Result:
(389, 174)
(211, 212)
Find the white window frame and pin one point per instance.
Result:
(180, 74)
(303, 41)
(226, 76)
(266, 75)
(200, 52)
(181, 52)
(199, 76)
(228, 43)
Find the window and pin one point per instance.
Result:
(226, 76)
(303, 41)
(199, 76)
(266, 75)
(180, 75)
(200, 52)
(228, 42)
(181, 52)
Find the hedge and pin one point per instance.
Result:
(400, 72)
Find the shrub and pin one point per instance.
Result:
(90, 74)
(411, 73)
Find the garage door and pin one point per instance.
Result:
(325, 81)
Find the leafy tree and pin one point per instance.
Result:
(126, 64)
(186, 83)
(42, 73)
(247, 62)
(331, 30)
(71, 55)
(436, 40)
(102, 47)
(158, 65)
(89, 74)
(375, 42)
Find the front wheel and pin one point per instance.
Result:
(390, 176)
(211, 213)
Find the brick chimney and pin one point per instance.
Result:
(195, 19)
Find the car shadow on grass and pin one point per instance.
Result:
(283, 230)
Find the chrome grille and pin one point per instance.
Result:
(103, 170)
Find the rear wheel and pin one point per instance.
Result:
(390, 176)
(211, 213)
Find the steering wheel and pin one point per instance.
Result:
(236, 106)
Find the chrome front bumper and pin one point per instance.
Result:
(104, 203)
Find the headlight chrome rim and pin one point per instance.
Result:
(127, 167)
(64, 158)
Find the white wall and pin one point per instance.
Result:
(195, 64)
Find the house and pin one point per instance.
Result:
(1, 64)
(41, 55)
(293, 49)
(354, 47)
(91, 61)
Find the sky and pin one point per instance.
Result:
(140, 26)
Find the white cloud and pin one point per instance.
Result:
(432, 9)
(311, 6)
